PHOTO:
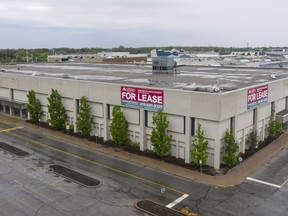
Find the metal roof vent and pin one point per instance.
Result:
(65, 76)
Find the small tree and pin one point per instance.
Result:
(159, 138)
(231, 148)
(252, 139)
(56, 110)
(119, 126)
(274, 128)
(84, 121)
(34, 106)
(199, 147)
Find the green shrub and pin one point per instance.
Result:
(84, 120)
(274, 128)
(119, 126)
(252, 139)
(34, 106)
(231, 149)
(57, 112)
(199, 147)
(159, 138)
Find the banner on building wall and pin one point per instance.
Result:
(257, 96)
(142, 98)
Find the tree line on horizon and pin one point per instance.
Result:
(40, 54)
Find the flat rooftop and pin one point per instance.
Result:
(141, 75)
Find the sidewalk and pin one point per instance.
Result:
(235, 176)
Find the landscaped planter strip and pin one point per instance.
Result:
(75, 176)
(13, 150)
(224, 169)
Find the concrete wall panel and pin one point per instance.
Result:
(176, 123)
(4, 92)
(264, 112)
(280, 105)
(132, 115)
(97, 109)
(245, 120)
(68, 104)
(20, 95)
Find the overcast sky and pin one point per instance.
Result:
(138, 23)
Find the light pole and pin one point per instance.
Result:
(163, 191)
(67, 128)
(96, 135)
(200, 163)
(240, 159)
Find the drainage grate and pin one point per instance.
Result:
(13, 150)
(153, 208)
(75, 176)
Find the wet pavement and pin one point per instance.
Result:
(130, 178)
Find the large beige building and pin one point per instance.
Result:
(237, 99)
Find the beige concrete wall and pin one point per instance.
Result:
(96, 109)
(68, 103)
(280, 105)
(4, 92)
(19, 95)
(176, 123)
(190, 103)
(264, 113)
(245, 120)
(213, 111)
(131, 115)
(42, 98)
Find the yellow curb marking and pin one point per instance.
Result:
(9, 129)
(52, 184)
(97, 163)
(42, 195)
(34, 191)
(224, 186)
(25, 203)
(8, 122)
(48, 184)
(284, 183)
(1, 210)
(19, 201)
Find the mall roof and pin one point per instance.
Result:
(194, 78)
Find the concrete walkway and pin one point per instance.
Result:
(233, 177)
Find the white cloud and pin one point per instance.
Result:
(144, 22)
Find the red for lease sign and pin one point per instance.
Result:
(142, 98)
(257, 96)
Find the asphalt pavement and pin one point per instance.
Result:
(235, 176)
(126, 178)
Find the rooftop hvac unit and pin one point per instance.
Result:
(163, 64)
(65, 76)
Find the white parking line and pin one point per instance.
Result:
(175, 202)
(263, 182)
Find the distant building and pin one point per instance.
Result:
(103, 57)
(58, 58)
